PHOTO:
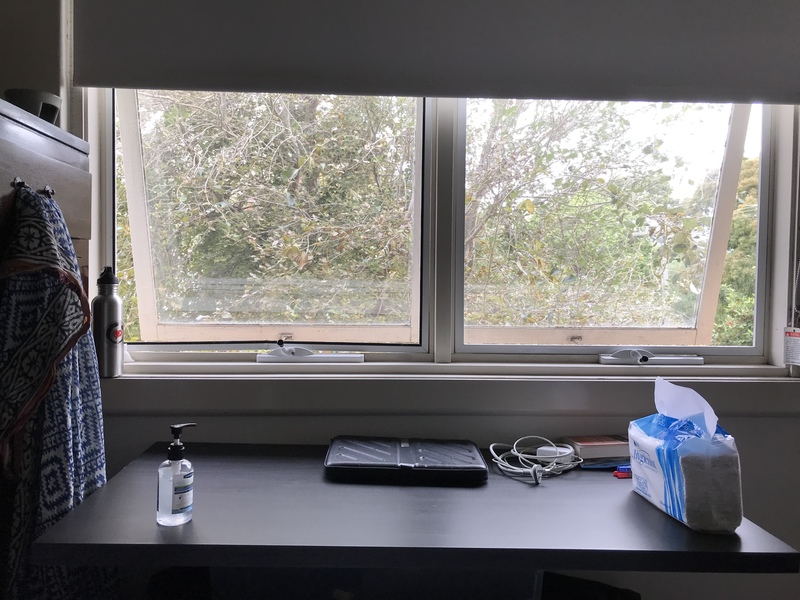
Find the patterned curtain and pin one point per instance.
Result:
(51, 430)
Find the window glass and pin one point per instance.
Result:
(254, 217)
(610, 223)
(246, 216)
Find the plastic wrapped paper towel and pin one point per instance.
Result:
(686, 464)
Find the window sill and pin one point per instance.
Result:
(458, 369)
(455, 390)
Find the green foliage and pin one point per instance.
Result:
(124, 258)
(253, 196)
(572, 222)
(733, 325)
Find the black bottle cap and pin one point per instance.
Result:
(107, 277)
(175, 451)
(176, 448)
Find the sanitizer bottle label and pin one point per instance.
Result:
(182, 493)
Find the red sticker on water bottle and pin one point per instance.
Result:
(114, 333)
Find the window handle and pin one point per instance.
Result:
(286, 354)
(634, 356)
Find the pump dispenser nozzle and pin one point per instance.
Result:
(178, 429)
(175, 450)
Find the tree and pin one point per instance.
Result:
(124, 266)
(301, 203)
(289, 208)
(733, 325)
(571, 221)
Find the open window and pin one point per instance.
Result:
(604, 224)
(579, 225)
(247, 217)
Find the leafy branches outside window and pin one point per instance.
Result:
(258, 214)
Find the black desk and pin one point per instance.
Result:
(257, 505)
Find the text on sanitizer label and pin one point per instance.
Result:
(182, 493)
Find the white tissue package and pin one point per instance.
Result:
(685, 464)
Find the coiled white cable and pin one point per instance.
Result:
(520, 461)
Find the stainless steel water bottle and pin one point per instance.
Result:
(107, 325)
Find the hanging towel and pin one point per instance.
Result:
(51, 430)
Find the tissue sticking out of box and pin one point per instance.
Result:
(684, 463)
(684, 403)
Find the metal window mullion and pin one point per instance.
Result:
(783, 236)
(445, 240)
(106, 180)
(420, 266)
(794, 234)
(766, 227)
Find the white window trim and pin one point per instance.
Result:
(153, 329)
(686, 340)
(769, 363)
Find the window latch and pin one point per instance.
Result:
(635, 356)
(301, 354)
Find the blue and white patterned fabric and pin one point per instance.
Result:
(73, 463)
(51, 428)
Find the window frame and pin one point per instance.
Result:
(766, 197)
(126, 100)
(442, 177)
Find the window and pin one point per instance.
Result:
(608, 223)
(579, 226)
(254, 217)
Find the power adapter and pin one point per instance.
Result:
(561, 454)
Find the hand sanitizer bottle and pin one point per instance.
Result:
(175, 483)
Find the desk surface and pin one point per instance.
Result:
(257, 505)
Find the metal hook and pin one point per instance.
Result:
(18, 183)
(49, 191)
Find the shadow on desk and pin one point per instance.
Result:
(373, 584)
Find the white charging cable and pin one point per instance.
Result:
(534, 461)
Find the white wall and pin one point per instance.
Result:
(763, 416)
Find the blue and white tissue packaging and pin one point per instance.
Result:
(684, 463)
